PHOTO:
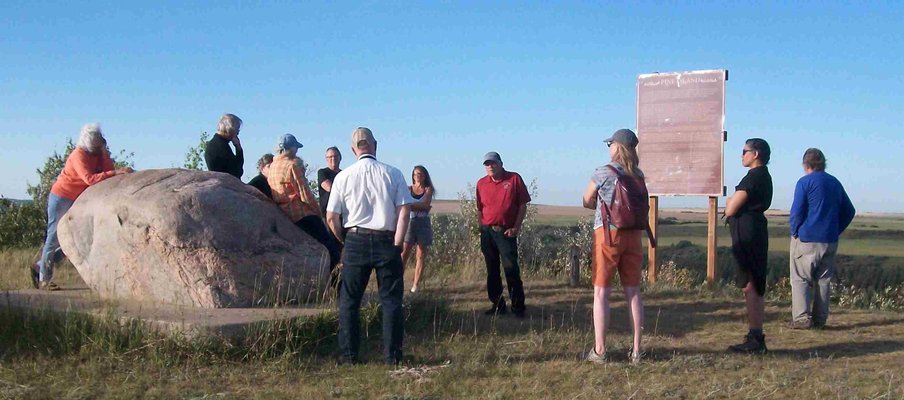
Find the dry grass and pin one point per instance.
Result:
(14, 274)
(469, 355)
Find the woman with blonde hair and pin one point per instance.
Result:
(87, 165)
(615, 249)
(420, 233)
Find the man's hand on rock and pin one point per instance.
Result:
(124, 170)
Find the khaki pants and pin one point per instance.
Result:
(812, 268)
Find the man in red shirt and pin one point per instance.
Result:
(502, 201)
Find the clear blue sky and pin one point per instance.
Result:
(442, 83)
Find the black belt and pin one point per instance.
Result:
(364, 231)
(497, 228)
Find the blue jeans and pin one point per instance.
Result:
(56, 208)
(365, 252)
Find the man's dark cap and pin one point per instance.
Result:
(625, 137)
(492, 156)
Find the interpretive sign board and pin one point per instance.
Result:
(680, 124)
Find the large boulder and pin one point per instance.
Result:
(190, 238)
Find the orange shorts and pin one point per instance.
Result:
(626, 256)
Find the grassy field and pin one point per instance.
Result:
(856, 241)
(456, 352)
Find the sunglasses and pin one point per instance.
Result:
(609, 144)
(745, 151)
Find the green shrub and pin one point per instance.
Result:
(24, 224)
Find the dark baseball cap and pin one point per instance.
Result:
(623, 136)
(492, 156)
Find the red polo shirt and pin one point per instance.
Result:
(499, 201)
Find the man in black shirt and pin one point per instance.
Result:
(260, 181)
(325, 177)
(218, 156)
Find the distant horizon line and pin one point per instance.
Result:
(772, 211)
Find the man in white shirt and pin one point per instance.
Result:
(372, 198)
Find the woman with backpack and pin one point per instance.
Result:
(614, 248)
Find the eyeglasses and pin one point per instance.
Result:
(745, 151)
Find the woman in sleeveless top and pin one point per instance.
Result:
(420, 233)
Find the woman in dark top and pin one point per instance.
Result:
(260, 181)
(218, 155)
(750, 238)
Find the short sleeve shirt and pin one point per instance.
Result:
(499, 201)
(758, 185)
(605, 178)
(367, 193)
(323, 175)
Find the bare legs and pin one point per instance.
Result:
(632, 296)
(420, 257)
(600, 317)
(601, 312)
(756, 307)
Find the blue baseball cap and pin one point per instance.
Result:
(288, 141)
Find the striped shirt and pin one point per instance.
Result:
(290, 189)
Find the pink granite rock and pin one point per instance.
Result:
(202, 239)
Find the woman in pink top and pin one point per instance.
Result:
(88, 164)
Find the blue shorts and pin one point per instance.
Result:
(419, 231)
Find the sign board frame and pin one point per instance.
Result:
(701, 77)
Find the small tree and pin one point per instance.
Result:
(23, 224)
(194, 158)
(47, 176)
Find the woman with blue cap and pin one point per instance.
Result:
(293, 195)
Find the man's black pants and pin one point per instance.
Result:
(499, 249)
(313, 225)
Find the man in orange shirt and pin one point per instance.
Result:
(88, 164)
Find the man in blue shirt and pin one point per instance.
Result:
(820, 212)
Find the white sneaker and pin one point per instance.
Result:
(635, 357)
(414, 289)
(595, 358)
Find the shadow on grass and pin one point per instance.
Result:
(560, 306)
(865, 324)
(830, 350)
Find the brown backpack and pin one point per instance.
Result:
(630, 207)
